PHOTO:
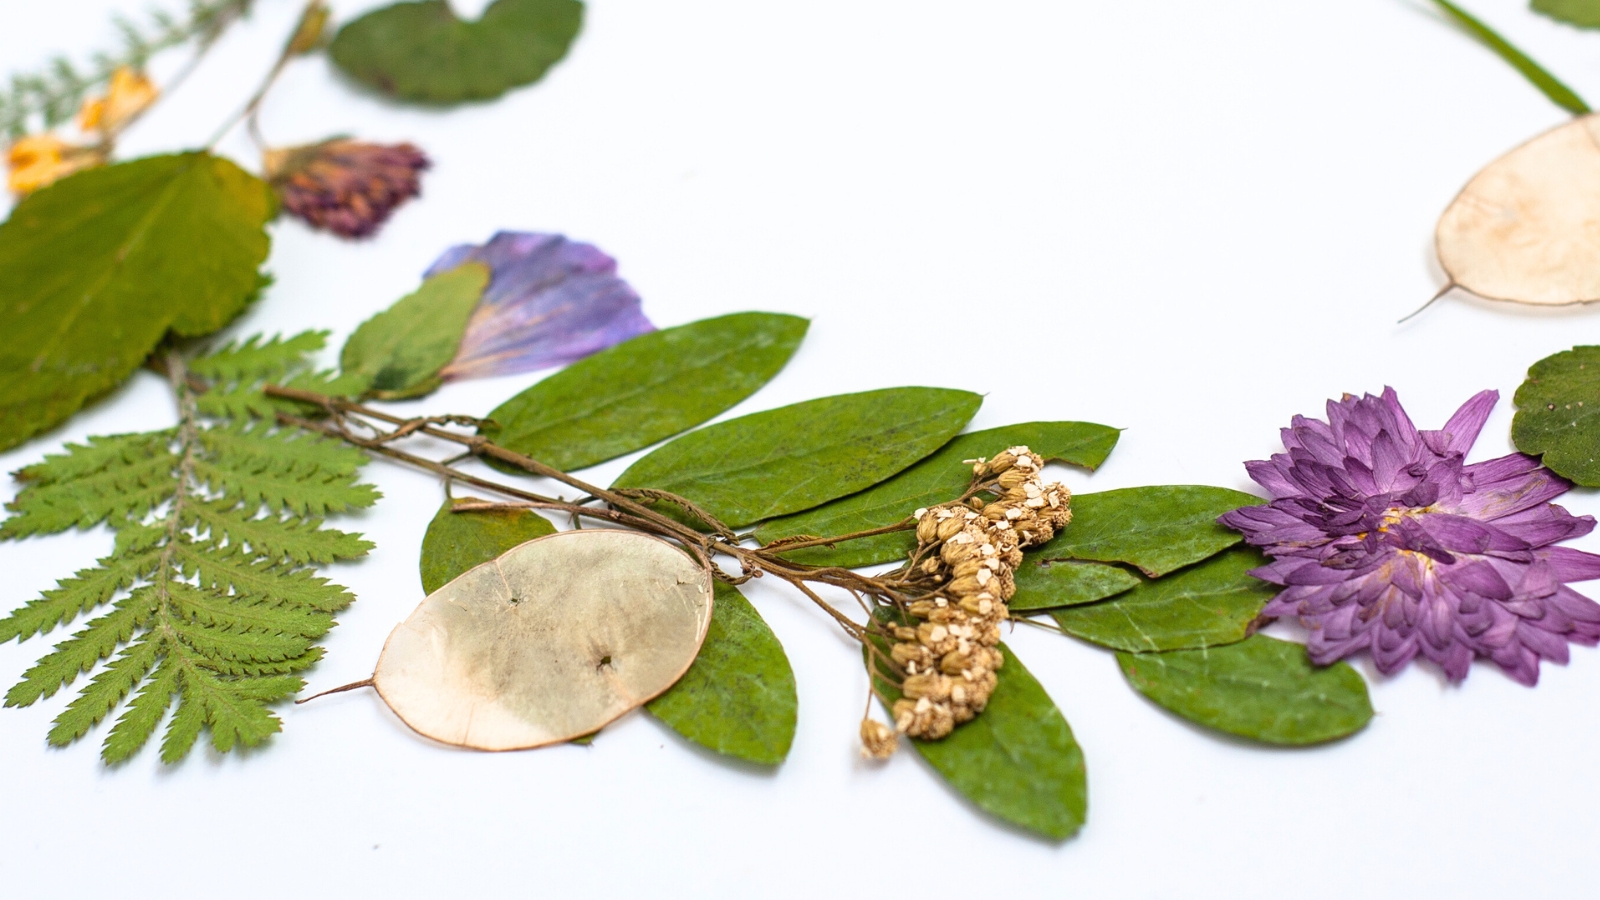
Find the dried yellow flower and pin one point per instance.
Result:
(129, 94)
(878, 741)
(39, 160)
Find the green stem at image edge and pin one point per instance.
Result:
(1559, 94)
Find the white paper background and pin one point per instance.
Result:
(1191, 220)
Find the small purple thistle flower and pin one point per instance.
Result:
(347, 187)
(550, 301)
(1385, 541)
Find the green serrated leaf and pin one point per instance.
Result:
(260, 581)
(1158, 529)
(457, 541)
(139, 721)
(186, 724)
(1206, 605)
(784, 460)
(1582, 13)
(1262, 688)
(1558, 414)
(105, 690)
(420, 51)
(398, 353)
(645, 389)
(1548, 84)
(71, 597)
(1042, 584)
(738, 698)
(1017, 760)
(253, 359)
(98, 267)
(79, 653)
(301, 541)
(109, 478)
(938, 479)
(214, 610)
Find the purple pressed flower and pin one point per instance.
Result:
(1385, 541)
(348, 187)
(550, 301)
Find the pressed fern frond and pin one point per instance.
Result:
(208, 601)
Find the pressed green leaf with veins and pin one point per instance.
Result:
(457, 541)
(1017, 760)
(1158, 528)
(738, 698)
(1582, 13)
(1206, 605)
(1558, 414)
(784, 460)
(646, 389)
(420, 51)
(1261, 688)
(398, 353)
(939, 478)
(96, 269)
(207, 600)
(1042, 584)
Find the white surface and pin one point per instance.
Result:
(1189, 219)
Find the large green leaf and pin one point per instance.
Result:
(1558, 414)
(1262, 688)
(1582, 13)
(97, 268)
(1042, 584)
(421, 52)
(937, 479)
(646, 389)
(1017, 760)
(1206, 605)
(1158, 528)
(398, 353)
(738, 698)
(457, 541)
(784, 460)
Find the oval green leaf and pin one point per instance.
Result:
(422, 53)
(1018, 760)
(398, 353)
(97, 268)
(1582, 13)
(784, 460)
(457, 541)
(1263, 689)
(738, 698)
(1042, 584)
(937, 479)
(646, 389)
(1159, 528)
(1558, 414)
(1206, 605)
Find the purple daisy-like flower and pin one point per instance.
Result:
(550, 301)
(1386, 541)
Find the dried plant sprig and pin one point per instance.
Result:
(52, 95)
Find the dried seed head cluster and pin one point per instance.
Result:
(948, 649)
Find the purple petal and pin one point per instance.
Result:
(550, 301)
(1458, 434)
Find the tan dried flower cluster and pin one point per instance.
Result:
(949, 654)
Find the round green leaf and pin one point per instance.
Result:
(739, 697)
(784, 460)
(97, 268)
(457, 541)
(1558, 414)
(1263, 689)
(421, 52)
(646, 389)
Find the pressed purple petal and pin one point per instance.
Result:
(1384, 542)
(550, 301)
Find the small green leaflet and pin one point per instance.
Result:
(1046, 585)
(421, 52)
(1206, 605)
(784, 460)
(1582, 13)
(1548, 84)
(97, 268)
(457, 541)
(1558, 414)
(938, 479)
(1158, 528)
(646, 389)
(738, 698)
(1017, 760)
(209, 598)
(1262, 688)
(398, 353)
